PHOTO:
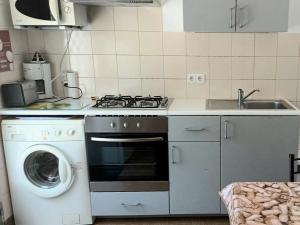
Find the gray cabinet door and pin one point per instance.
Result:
(194, 177)
(257, 148)
(262, 15)
(209, 15)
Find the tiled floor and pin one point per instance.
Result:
(164, 221)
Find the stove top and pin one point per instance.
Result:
(129, 102)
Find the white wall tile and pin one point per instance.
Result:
(287, 67)
(103, 42)
(150, 18)
(198, 65)
(220, 89)
(152, 66)
(220, 44)
(127, 43)
(286, 89)
(126, 18)
(130, 86)
(105, 65)
(151, 43)
(195, 90)
(36, 41)
(106, 86)
(19, 41)
(220, 67)
(174, 43)
(265, 44)
(128, 66)
(266, 87)
(80, 42)
(153, 87)
(243, 44)
(87, 86)
(288, 44)
(55, 41)
(197, 44)
(175, 66)
(175, 88)
(242, 68)
(265, 68)
(83, 65)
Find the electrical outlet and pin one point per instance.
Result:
(191, 78)
(200, 78)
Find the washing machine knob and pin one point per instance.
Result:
(70, 132)
(58, 132)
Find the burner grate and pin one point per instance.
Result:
(112, 101)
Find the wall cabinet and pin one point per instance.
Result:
(226, 15)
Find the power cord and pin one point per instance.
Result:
(66, 85)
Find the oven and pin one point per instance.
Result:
(127, 153)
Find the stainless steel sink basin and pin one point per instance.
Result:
(215, 104)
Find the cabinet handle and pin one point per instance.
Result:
(173, 155)
(131, 205)
(231, 17)
(195, 129)
(226, 129)
(241, 17)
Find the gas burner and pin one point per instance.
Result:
(149, 102)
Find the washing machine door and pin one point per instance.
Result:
(46, 171)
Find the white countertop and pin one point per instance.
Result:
(198, 107)
(176, 107)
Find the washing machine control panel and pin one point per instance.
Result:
(43, 133)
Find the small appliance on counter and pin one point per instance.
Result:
(38, 70)
(19, 94)
(47, 13)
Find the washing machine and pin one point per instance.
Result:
(47, 170)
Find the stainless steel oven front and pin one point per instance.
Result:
(127, 153)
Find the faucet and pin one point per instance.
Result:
(242, 98)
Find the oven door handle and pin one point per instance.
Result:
(127, 140)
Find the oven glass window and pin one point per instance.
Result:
(132, 161)
(35, 9)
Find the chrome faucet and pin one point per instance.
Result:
(242, 98)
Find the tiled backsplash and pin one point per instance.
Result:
(123, 50)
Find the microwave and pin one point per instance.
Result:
(47, 13)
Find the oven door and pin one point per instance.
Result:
(33, 12)
(128, 162)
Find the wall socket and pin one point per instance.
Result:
(196, 78)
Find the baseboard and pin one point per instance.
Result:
(10, 221)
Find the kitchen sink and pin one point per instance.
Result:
(215, 104)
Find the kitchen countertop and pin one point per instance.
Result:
(176, 107)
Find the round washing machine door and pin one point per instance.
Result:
(46, 171)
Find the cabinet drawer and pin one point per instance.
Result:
(129, 203)
(194, 128)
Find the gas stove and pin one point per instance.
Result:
(129, 102)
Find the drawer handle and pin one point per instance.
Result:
(132, 205)
(195, 129)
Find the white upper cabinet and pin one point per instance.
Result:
(226, 15)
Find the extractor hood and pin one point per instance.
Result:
(134, 3)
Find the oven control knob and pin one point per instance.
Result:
(138, 125)
(112, 125)
(125, 125)
(58, 132)
(70, 132)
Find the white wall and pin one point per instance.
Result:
(19, 46)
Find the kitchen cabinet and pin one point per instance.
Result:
(194, 164)
(194, 177)
(226, 15)
(257, 148)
